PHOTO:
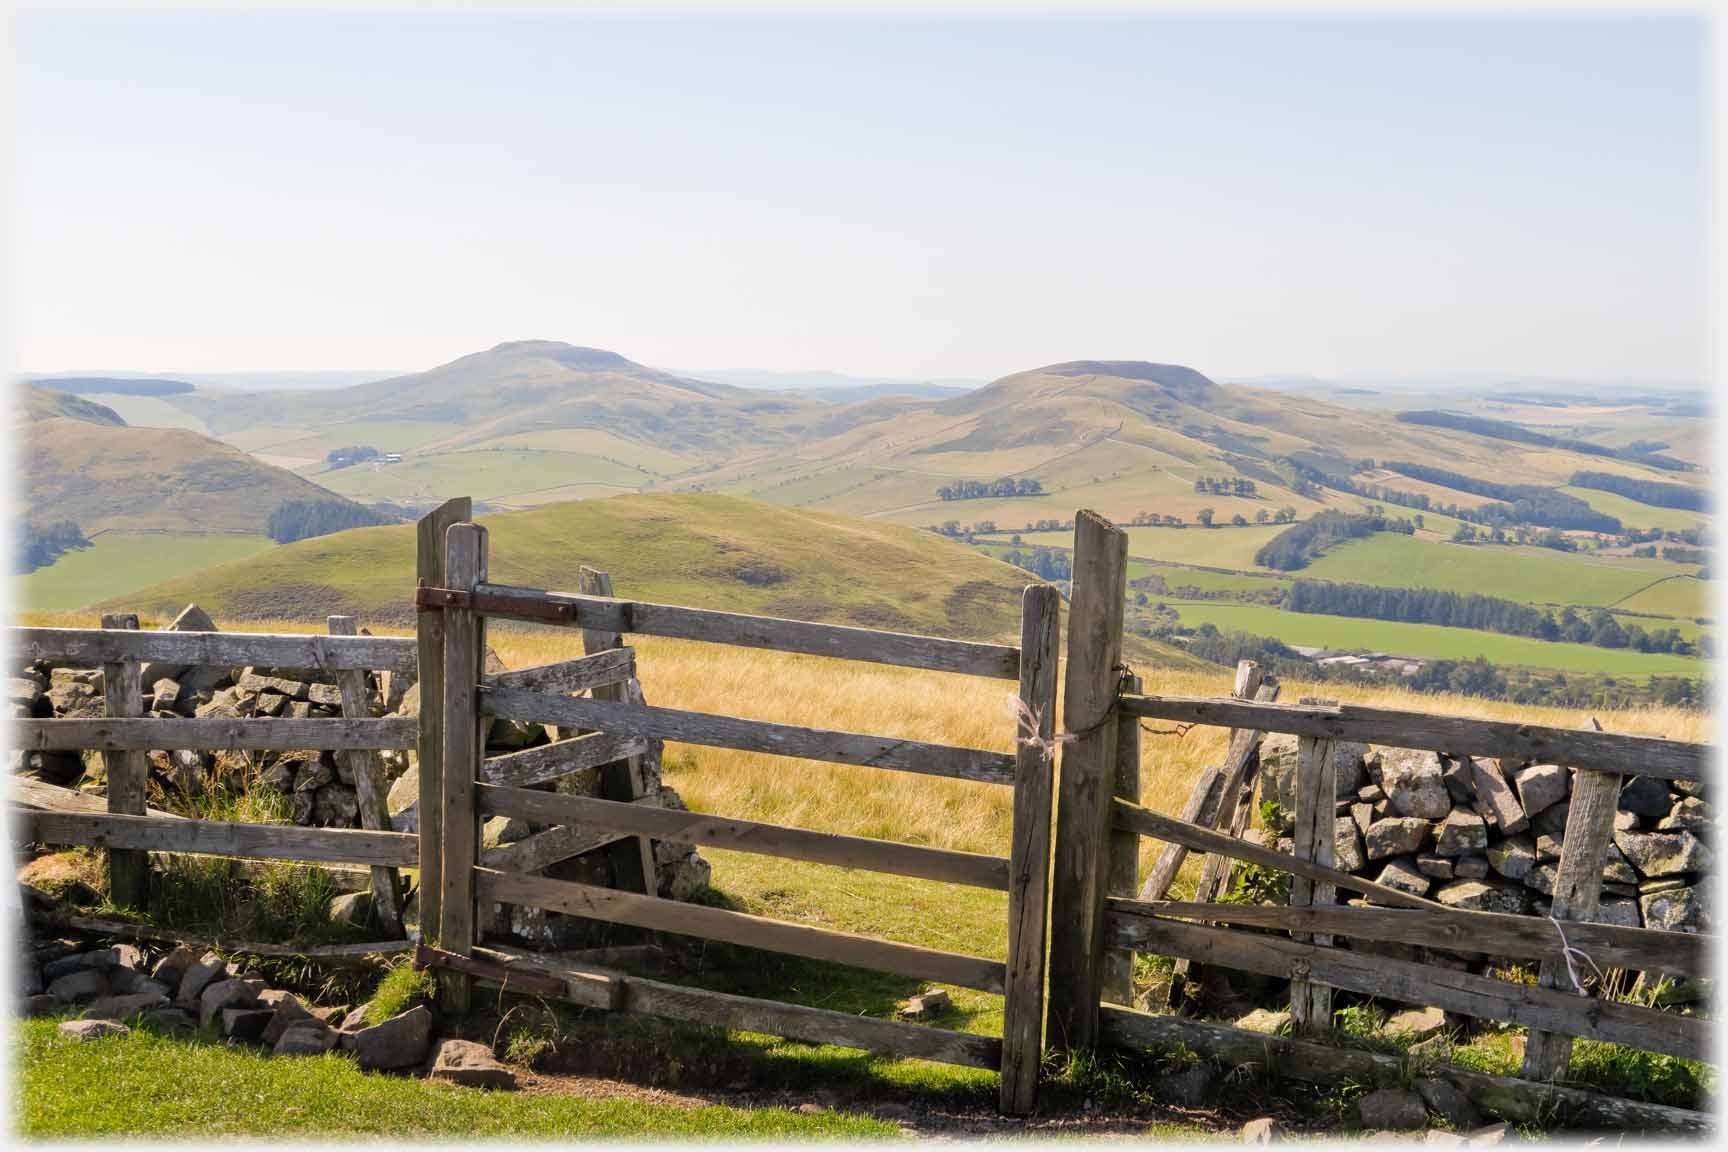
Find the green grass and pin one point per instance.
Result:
(1226, 547)
(1430, 640)
(680, 548)
(120, 562)
(513, 475)
(148, 1085)
(1636, 515)
(1531, 575)
(1680, 596)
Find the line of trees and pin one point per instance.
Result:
(1516, 503)
(347, 457)
(303, 519)
(1517, 433)
(1046, 563)
(39, 545)
(981, 489)
(1225, 486)
(1653, 492)
(1294, 547)
(1483, 613)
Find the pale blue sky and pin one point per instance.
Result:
(917, 197)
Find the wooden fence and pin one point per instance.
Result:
(1098, 916)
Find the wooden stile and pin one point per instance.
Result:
(429, 541)
(1029, 850)
(128, 771)
(1087, 779)
(370, 787)
(464, 656)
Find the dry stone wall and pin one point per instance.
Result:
(1486, 835)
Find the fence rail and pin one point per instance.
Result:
(222, 838)
(214, 733)
(93, 646)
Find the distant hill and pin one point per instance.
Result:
(116, 385)
(83, 464)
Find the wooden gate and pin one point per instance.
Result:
(457, 601)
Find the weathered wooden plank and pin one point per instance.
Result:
(129, 930)
(1577, 896)
(633, 865)
(370, 786)
(1156, 824)
(220, 838)
(584, 984)
(128, 771)
(1444, 988)
(753, 735)
(28, 792)
(1212, 802)
(429, 542)
(1088, 772)
(1515, 1101)
(1029, 849)
(1490, 933)
(616, 907)
(1116, 983)
(541, 850)
(1453, 735)
(92, 646)
(811, 1025)
(560, 758)
(1316, 806)
(645, 818)
(213, 733)
(838, 640)
(464, 663)
(608, 666)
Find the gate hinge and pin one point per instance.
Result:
(434, 599)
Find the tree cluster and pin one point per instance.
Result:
(1653, 492)
(1045, 563)
(980, 489)
(346, 457)
(303, 519)
(39, 545)
(1225, 486)
(1294, 547)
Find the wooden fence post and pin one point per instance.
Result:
(1087, 779)
(429, 632)
(128, 772)
(464, 649)
(1123, 868)
(370, 788)
(1577, 896)
(1029, 852)
(632, 859)
(1316, 810)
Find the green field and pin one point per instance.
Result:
(120, 562)
(517, 475)
(1680, 596)
(1530, 575)
(1635, 515)
(1349, 633)
(1209, 581)
(1226, 547)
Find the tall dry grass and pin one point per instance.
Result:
(930, 706)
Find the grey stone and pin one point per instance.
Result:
(399, 1042)
(43, 1004)
(1548, 848)
(1620, 912)
(77, 987)
(926, 1006)
(1688, 814)
(1495, 796)
(1347, 760)
(1490, 1135)
(85, 1030)
(312, 775)
(1470, 867)
(1395, 836)
(1513, 857)
(1414, 1024)
(1615, 869)
(1438, 867)
(1675, 910)
(353, 908)
(1278, 753)
(1400, 873)
(1459, 777)
(472, 1064)
(305, 1038)
(1347, 855)
(1392, 1108)
(172, 1019)
(1370, 794)
(1265, 1020)
(171, 969)
(65, 965)
(1477, 896)
(1447, 1102)
(209, 967)
(1414, 783)
(231, 993)
(1541, 786)
(1626, 821)
(123, 1007)
(1647, 797)
(1542, 879)
(1191, 1087)
(1362, 815)
(1658, 854)
(335, 806)
(1462, 833)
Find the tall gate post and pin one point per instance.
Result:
(464, 651)
(1029, 852)
(429, 632)
(1122, 870)
(128, 772)
(1088, 775)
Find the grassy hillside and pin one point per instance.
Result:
(49, 403)
(118, 562)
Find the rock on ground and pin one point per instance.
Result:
(472, 1064)
(82, 1030)
(1542, 786)
(399, 1042)
(1392, 1108)
(1414, 782)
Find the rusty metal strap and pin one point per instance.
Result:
(428, 599)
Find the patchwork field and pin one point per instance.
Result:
(117, 563)
(1350, 633)
(1225, 547)
(520, 476)
(1636, 515)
